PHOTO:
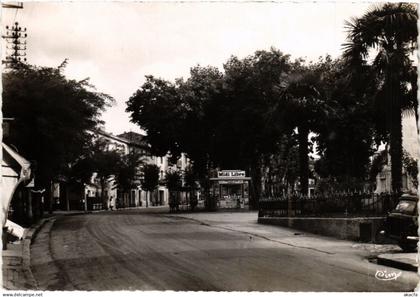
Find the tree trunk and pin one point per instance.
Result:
(44, 183)
(147, 200)
(29, 208)
(85, 206)
(396, 149)
(104, 202)
(303, 159)
(41, 183)
(67, 198)
(255, 173)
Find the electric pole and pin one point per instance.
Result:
(18, 5)
(15, 46)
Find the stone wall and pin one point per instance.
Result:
(356, 229)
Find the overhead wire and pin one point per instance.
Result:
(14, 19)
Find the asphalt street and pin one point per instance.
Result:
(134, 250)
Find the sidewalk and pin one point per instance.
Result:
(15, 274)
(403, 261)
(64, 213)
(246, 222)
(16, 270)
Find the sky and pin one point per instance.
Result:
(116, 44)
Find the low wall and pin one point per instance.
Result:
(357, 229)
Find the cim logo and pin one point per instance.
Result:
(385, 276)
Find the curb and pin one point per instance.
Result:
(26, 253)
(27, 241)
(344, 228)
(78, 213)
(396, 264)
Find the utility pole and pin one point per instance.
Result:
(16, 45)
(18, 5)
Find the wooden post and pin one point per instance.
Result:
(51, 199)
(67, 198)
(86, 204)
(29, 205)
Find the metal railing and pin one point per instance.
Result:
(334, 204)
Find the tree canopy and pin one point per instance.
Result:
(128, 173)
(258, 112)
(219, 120)
(52, 116)
(387, 36)
(150, 177)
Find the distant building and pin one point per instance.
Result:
(127, 142)
(411, 144)
(88, 196)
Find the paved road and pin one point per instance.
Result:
(130, 250)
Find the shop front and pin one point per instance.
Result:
(230, 189)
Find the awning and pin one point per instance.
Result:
(24, 164)
(16, 170)
(230, 180)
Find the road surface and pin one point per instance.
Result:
(133, 250)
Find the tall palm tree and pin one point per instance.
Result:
(384, 39)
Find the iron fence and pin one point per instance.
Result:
(337, 204)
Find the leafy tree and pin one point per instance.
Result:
(252, 120)
(305, 98)
(191, 178)
(80, 172)
(128, 173)
(157, 108)
(180, 115)
(202, 94)
(150, 179)
(173, 182)
(52, 116)
(411, 166)
(218, 120)
(391, 30)
(282, 167)
(345, 137)
(105, 163)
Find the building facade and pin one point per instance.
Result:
(411, 145)
(136, 197)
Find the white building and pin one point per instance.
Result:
(127, 142)
(411, 144)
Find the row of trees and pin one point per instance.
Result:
(98, 158)
(53, 124)
(259, 111)
(254, 114)
(53, 119)
(126, 171)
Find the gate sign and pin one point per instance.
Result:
(231, 173)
